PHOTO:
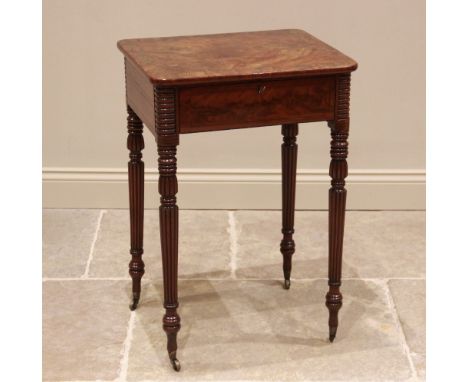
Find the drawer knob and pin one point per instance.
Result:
(261, 89)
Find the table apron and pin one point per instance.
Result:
(255, 103)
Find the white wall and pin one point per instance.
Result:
(84, 154)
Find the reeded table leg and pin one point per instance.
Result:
(169, 229)
(288, 180)
(337, 202)
(136, 173)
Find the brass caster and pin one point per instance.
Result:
(134, 304)
(287, 284)
(174, 362)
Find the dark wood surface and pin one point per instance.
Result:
(234, 56)
(165, 114)
(140, 95)
(256, 103)
(288, 182)
(169, 232)
(193, 84)
(136, 186)
(337, 199)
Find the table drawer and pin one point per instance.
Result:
(259, 103)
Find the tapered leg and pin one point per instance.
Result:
(169, 229)
(136, 172)
(288, 180)
(337, 202)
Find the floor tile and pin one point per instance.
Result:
(259, 236)
(234, 329)
(67, 236)
(255, 330)
(386, 243)
(378, 244)
(410, 303)
(204, 245)
(84, 328)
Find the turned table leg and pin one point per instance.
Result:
(169, 229)
(288, 180)
(167, 140)
(136, 173)
(337, 201)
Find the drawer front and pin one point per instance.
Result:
(261, 103)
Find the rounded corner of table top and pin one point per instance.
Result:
(352, 66)
(217, 60)
(121, 44)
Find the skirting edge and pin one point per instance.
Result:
(385, 189)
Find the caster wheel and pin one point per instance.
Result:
(175, 364)
(287, 284)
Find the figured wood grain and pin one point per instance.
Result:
(234, 56)
(256, 103)
(207, 83)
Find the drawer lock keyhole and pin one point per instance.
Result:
(261, 89)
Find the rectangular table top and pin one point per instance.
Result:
(234, 56)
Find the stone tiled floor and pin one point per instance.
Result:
(238, 323)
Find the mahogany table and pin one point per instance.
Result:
(192, 84)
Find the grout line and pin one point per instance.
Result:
(125, 352)
(91, 250)
(384, 279)
(403, 341)
(81, 278)
(234, 247)
(377, 279)
(236, 380)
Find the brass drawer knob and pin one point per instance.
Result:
(261, 89)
